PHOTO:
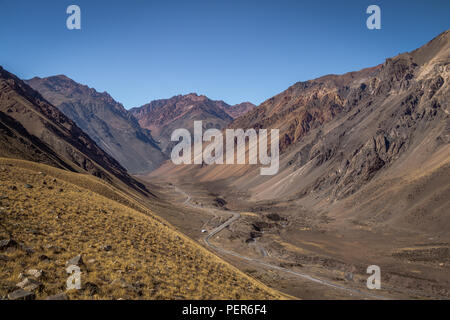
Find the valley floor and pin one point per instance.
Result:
(167, 247)
(307, 255)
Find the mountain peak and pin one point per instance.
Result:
(106, 121)
(164, 115)
(38, 131)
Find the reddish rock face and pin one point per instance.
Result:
(239, 109)
(340, 134)
(304, 106)
(164, 116)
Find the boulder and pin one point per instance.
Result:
(349, 276)
(75, 261)
(29, 284)
(21, 294)
(4, 258)
(35, 273)
(106, 247)
(8, 243)
(91, 288)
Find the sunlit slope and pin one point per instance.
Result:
(127, 253)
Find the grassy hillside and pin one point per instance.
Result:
(54, 215)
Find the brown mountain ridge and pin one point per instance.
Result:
(163, 116)
(33, 129)
(106, 121)
(342, 135)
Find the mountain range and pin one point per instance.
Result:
(363, 156)
(106, 121)
(66, 202)
(138, 139)
(163, 116)
(370, 134)
(33, 129)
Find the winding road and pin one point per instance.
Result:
(234, 217)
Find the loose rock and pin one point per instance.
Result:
(29, 284)
(43, 257)
(91, 288)
(35, 273)
(76, 261)
(3, 257)
(106, 247)
(21, 295)
(8, 243)
(349, 276)
(121, 283)
(27, 249)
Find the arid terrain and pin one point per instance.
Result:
(284, 235)
(49, 216)
(68, 203)
(364, 179)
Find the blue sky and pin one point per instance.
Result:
(233, 50)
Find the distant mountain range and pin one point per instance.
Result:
(163, 116)
(129, 136)
(106, 121)
(237, 110)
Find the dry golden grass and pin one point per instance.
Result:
(80, 214)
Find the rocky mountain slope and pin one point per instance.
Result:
(347, 136)
(164, 116)
(106, 121)
(240, 109)
(72, 204)
(33, 129)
